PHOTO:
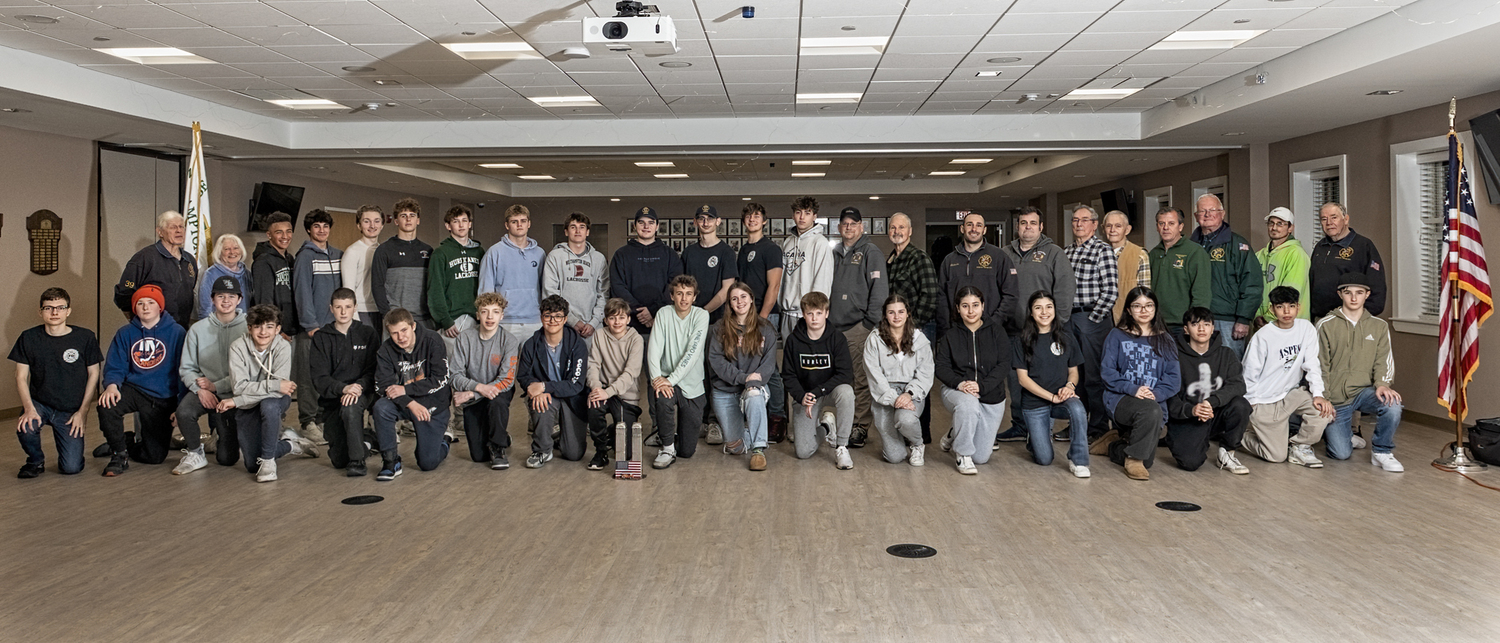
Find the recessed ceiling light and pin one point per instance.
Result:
(852, 97)
(947, 173)
(676, 64)
(305, 103)
(671, 176)
(100, 39)
(655, 164)
(973, 161)
(565, 101)
(155, 55)
(1004, 59)
(36, 19)
(500, 166)
(848, 28)
(1242, 21)
(1384, 92)
(812, 162)
(1207, 39)
(1234, 133)
(537, 177)
(1101, 94)
(744, 198)
(853, 46)
(1079, 176)
(358, 68)
(14, 110)
(614, 200)
(987, 74)
(493, 50)
(387, 82)
(808, 175)
(874, 198)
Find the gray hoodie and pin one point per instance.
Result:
(258, 376)
(1043, 267)
(860, 285)
(315, 275)
(478, 361)
(729, 376)
(891, 374)
(582, 279)
(205, 353)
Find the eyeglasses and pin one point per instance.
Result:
(1143, 307)
(53, 309)
(554, 317)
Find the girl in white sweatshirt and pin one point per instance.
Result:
(898, 359)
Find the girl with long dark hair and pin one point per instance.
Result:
(1047, 361)
(899, 362)
(1140, 373)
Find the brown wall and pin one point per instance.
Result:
(1181, 178)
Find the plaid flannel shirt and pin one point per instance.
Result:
(914, 277)
(1098, 277)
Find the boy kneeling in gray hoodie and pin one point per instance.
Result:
(261, 365)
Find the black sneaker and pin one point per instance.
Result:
(356, 469)
(1012, 434)
(1064, 434)
(102, 451)
(118, 463)
(499, 462)
(30, 470)
(858, 436)
(389, 471)
(601, 460)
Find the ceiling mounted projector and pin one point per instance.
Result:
(633, 31)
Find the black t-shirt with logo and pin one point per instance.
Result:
(710, 266)
(59, 365)
(1049, 367)
(755, 264)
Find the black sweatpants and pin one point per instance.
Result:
(344, 428)
(1139, 423)
(189, 410)
(487, 425)
(679, 420)
(601, 429)
(1188, 439)
(153, 438)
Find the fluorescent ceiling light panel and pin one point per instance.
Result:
(861, 45)
(536, 177)
(500, 166)
(565, 101)
(812, 162)
(1207, 39)
(1100, 94)
(654, 164)
(671, 176)
(807, 175)
(493, 50)
(806, 99)
(155, 55)
(305, 103)
(947, 173)
(974, 161)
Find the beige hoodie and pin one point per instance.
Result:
(615, 364)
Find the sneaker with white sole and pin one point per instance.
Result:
(918, 455)
(842, 461)
(715, 434)
(1079, 470)
(192, 460)
(653, 440)
(1358, 441)
(966, 465)
(388, 471)
(1387, 461)
(1230, 463)
(312, 431)
(947, 442)
(665, 457)
(300, 445)
(1303, 454)
(267, 471)
(538, 460)
(830, 425)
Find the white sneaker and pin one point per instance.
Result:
(191, 461)
(314, 432)
(918, 455)
(267, 472)
(653, 440)
(829, 424)
(715, 434)
(1387, 461)
(1228, 461)
(947, 442)
(300, 446)
(1303, 454)
(1358, 441)
(844, 463)
(966, 465)
(1079, 470)
(665, 457)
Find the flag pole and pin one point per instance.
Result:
(1459, 460)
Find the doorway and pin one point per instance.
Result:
(942, 238)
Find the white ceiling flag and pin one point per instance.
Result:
(199, 242)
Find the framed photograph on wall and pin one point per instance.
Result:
(734, 244)
(877, 226)
(678, 229)
(778, 228)
(631, 228)
(735, 228)
(723, 227)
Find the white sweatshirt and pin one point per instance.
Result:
(356, 273)
(1277, 359)
(808, 267)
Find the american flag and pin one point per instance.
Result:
(1464, 268)
(628, 470)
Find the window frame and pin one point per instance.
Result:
(1406, 194)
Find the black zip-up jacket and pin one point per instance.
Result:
(574, 369)
(982, 356)
(815, 366)
(639, 274)
(423, 370)
(271, 283)
(338, 360)
(990, 270)
(1331, 260)
(1216, 376)
(177, 277)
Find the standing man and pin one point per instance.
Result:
(453, 277)
(1284, 263)
(976, 263)
(860, 286)
(1236, 275)
(513, 268)
(398, 271)
(1040, 265)
(1179, 271)
(1097, 273)
(162, 263)
(578, 273)
(358, 258)
(1131, 261)
(809, 262)
(640, 272)
(271, 273)
(913, 276)
(315, 276)
(760, 266)
(1340, 251)
(711, 262)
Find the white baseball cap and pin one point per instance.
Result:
(1280, 213)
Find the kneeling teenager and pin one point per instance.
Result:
(1047, 362)
(1140, 373)
(1211, 404)
(484, 381)
(554, 372)
(411, 380)
(342, 364)
(818, 373)
(898, 360)
(973, 363)
(261, 365)
(742, 354)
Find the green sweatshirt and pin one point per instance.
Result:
(1354, 356)
(677, 348)
(1284, 266)
(453, 281)
(1180, 276)
(1236, 274)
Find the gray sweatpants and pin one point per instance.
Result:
(974, 424)
(897, 428)
(807, 428)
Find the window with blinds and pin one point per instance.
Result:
(1326, 187)
(1433, 174)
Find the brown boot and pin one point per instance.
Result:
(1136, 470)
(1101, 445)
(776, 429)
(758, 460)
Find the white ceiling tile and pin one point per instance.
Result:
(278, 70)
(234, 14)
(982, 60)
(763, 99)
(129, 70)
(1292, 37)
(621, 90)
(244, 84)
(1185, 82)
(566, 31)
(757, 63)
(135, 15)
(959, 26)
(932, 45)
(454, 32)
(1222, 70)
(399, 53)
(310, 83)
(325, 54)
(1258, 4)
(834, 76)
(421, 68)
(210, 71)
(288, 36)
(1171, 56)
(903, 85)
(1264, 18)
(959, 96)
(1132, 70)
(81, 56)
(1334, 18)
(1110, 58)
(1167, 5)
(192, 38)
(1086, 72)
(1257, 55)
(1048, 84)
(85, 37)
(758, 27)
(1035, 23)
(236, 55)
(830, 87)
(1144, 21)
(1096, 41)
(599, 64)
(756, 47)
(885, 73)
(335, 13)
(1005, 43)
(865, 25)
(921, 61)
(760, 88)
(839, 62)
(836, 8)
(661, 76)
(374, 34)
(1049, 6)
(1368, 3)
(430, 11)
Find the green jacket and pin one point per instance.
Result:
(1180, 276)
(1354, 356)
(453, 281)
(1237, 276)
(1284, 266)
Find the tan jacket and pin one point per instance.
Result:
(1354, 356)
(615, 364)
(1135, 270)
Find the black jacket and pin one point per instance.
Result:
(815, 366)
(423, 370)
(639, 274)
(990, 270)
(1216, 376)
(572, 389)
(177, 277)
(338, 360)
(982, 356)
(1331, 260)
(271, 283)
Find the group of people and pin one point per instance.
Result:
(1199, 339)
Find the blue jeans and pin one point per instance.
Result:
(1039, 431)
(1226, 335)
(69, 448)
(749, 425)
(1340, 431)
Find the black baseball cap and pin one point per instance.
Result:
(850, 212)
(707, 211)
(1353, 279)
(646, 213)
(227, 284)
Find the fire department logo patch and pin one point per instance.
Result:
(713, 261)
(750, 257)
(856, 258)
(70, 355)
(1217, 254)
(985, 261)
(1346, 253)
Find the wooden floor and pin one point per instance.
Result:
(708, 551)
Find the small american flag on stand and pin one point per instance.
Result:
(1464, 268)
(630, 470)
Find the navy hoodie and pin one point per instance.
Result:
(423, 370)
(575, 363)
(147, 358)
(639, 274)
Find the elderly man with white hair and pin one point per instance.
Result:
(163, 263)
(1237, 278)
